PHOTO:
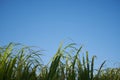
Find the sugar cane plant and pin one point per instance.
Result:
(23, 63)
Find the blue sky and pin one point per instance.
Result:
(44, 23)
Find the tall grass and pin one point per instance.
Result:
(18, 64)
(23, 63)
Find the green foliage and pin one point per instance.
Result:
(19, 62)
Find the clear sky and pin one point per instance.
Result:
(44, 23)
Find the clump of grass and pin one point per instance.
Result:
(18, 64)
(67, 65)
(23, 63)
